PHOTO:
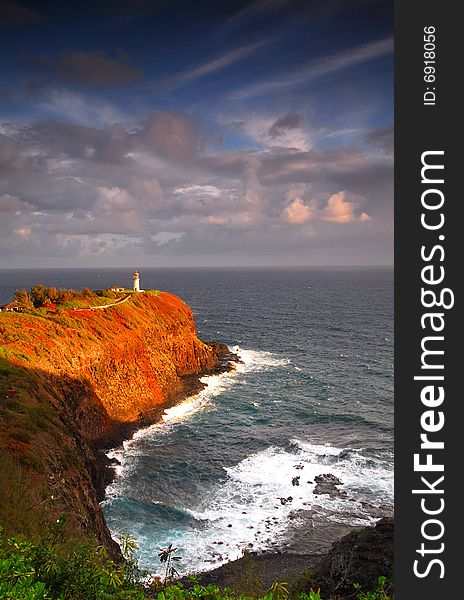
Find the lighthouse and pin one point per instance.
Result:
(136, 278)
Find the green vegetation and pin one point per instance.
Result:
(36, 572)
(47, 572)
(42, 296)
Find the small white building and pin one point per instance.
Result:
(136, 278)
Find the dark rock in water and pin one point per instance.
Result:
(296, 480)
(283, 500)
(290, 498)
(229, 525)
(327, 484)
(328, 478)
(361, 557)
(299, 466)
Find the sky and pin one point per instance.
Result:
(196, 133)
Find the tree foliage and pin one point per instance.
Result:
(44, 572)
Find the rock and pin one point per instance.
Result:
(283, 500)
(361, 557)
(327, 484)
(328, 478)
(299, 466)
(296, 480)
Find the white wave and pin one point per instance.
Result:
(320, 449)
(258, 360)
(215, 384)
(126, 455)
(246, 510)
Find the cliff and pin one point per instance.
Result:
(71, 381)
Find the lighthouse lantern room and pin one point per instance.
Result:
(136, 278)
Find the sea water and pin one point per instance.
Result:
(313, 394)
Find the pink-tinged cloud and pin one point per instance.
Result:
(338, 210)
(297, 212)
(23, 232)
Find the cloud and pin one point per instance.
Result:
(12, 203)
(65, 140)
(319, 68)
(79, 108)
(90, 68)
(286, 131)
(13, 14)
(11, 156)
(112, 191)
(338, 210)
(217, 64)
(257, 6)
(199, 190)
(282, 124)
(172, 136)
(382, 138)
(297, 212)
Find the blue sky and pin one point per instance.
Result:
(178, 133)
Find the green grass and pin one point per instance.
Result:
(85, 572)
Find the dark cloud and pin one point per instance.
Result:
(290, 121)
(89, 68)
(108, 144)
(14, 14)
(172, 136)
(12, 203)
(169, 135)
(11, 157)
(382, 138)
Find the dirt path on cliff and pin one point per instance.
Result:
(103, 306)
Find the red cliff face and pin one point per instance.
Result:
(133, 356)
(67, 378)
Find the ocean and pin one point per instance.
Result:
(313, 395)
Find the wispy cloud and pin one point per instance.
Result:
(320, 67)
(218, 63)
(256, 8)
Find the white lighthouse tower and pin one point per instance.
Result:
(136, 278)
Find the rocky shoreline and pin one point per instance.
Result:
(120, 432)
(309, 535)
(358, 557)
